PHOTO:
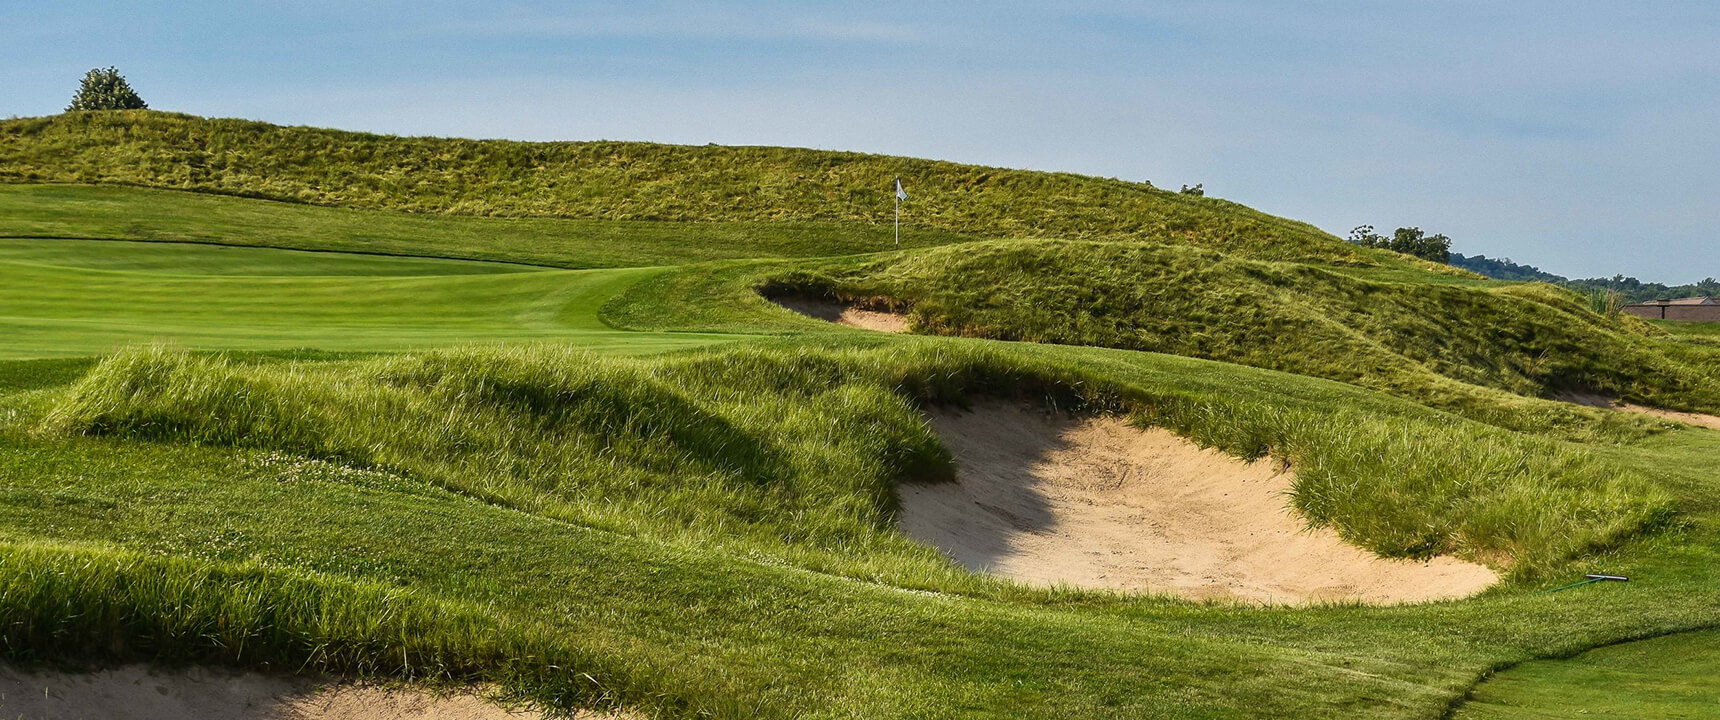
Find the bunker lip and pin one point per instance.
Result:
(145, 692)
(1608, 402)
(863, 315)
(1094, 502)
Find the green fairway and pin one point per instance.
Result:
(70, 298)
(130, 213)
(1676, 677)
(178, 258)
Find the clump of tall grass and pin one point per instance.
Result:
(66, 604)
(1417, 489)
(1471, 350)
(1606, 303)
(795, 453)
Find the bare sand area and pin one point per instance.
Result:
(1611, 403)
(141, 692)
(1095, 502)
(845, 314)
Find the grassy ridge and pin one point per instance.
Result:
(797, 453)
(1450, 346)
(92, 605)
(625, 181)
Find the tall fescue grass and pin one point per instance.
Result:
(1416, 489)
(794, 453)
(90, 606)
(1448, 346)
(625, 181)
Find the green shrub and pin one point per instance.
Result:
(105, 89)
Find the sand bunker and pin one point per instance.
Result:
(1598, 400)
(845, 314)
(1098, 503)
(138, 692)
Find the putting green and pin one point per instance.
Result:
(72, 297)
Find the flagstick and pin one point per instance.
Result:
(898, 222)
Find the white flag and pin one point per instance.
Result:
(900, 193)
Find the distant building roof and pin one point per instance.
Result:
(1679, 301)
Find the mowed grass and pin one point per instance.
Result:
(185, 259)
(1671, 677)
(131, 213)
(62, 298)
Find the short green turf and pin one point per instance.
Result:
(132, 213)
(1675, 677)
(65, 298)
(176, 258)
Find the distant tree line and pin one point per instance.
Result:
(1631, 289)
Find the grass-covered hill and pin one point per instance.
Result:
(624, 181)
(1487, 351)
(430, 410)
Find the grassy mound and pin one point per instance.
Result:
(624, 181)
(795, 453)
(1440, 344)
(91, 606)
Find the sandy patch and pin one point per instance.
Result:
(1597, 400)
(1698, 419)
(139, 692)
(845, 314)
(1097, 503)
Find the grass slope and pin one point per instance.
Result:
(624, 181)
(803, 450)
(273, 559)
(1452, 346)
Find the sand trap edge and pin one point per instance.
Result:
(842, 313)
(1095, 503)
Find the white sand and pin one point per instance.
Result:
(1097, 503)
(845, 314)
(140, 692)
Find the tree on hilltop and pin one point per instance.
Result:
(1409, 241)
(106, 89)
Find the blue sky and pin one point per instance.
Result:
(1583, 137)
